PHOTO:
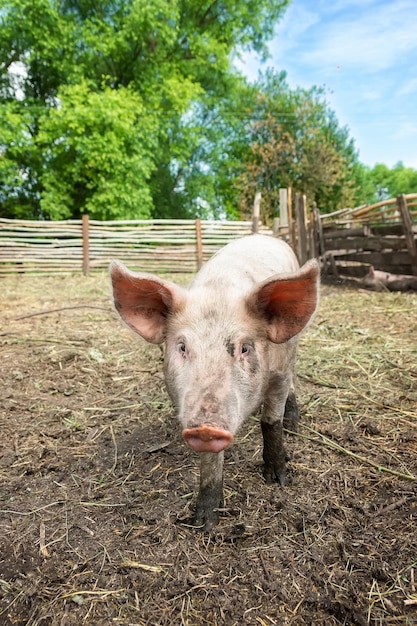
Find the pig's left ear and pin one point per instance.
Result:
(144, 301)
(286, 302)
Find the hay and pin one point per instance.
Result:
(96, 485)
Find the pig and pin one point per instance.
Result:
(230, 348)
(380, 280)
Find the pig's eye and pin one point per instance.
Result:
(182, 348)
(245, 348)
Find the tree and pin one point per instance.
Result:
(401, 179)
(365, 189)
(381, 182)
(209, 146)
(102, 156)
(18, 160)
(295, 141)
(380, 176)
(62, 62)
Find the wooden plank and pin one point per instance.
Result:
(319, 231)
(368, 243)
(291, 222)
(387, 230)
(408, 232)
(351, 268)
(366, 210)
(373, 212)
(313, 236)
(283, 208)
(86, 245)
(256, 212)
(199, 243)
(342, 232)
(301, 208)
(394, 262)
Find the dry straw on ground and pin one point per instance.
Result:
(96, 485)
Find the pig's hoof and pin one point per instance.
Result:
(274, 474)
(206, 511)
(205, 520)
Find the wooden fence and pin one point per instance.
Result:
(29, 246)
(382, 235)
(349, 241)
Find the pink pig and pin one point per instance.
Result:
(230, 347)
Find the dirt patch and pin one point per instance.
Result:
(96, 484)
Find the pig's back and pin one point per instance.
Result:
(246, 261)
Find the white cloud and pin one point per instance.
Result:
(297, 20)
(366, 36)
(365, 53)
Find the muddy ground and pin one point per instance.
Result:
(96, 485)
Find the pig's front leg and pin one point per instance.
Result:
(291, 414)
(274, 454)
(210, 495)
(280, 407)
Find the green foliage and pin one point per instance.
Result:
(104, 97)
(295, 141)
(208, 146)
(102, 156)
(365, 191)
(381, 182)
(389, 183)
(18, 189)
(403, 180)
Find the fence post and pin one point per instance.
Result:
(283, 208)
(256, 212)
(408, 231)
(301, 205)
(318, 228)
(292, 224)
(312, 241)
(199, 243)
(86, 244)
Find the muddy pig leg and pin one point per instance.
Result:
(274, 454)
(210, 495)
(291, 413)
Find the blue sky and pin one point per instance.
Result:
(364, 52)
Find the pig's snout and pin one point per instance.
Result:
(206, 438)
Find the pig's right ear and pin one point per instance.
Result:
(144, 301)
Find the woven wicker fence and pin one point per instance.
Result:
(28, 246)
